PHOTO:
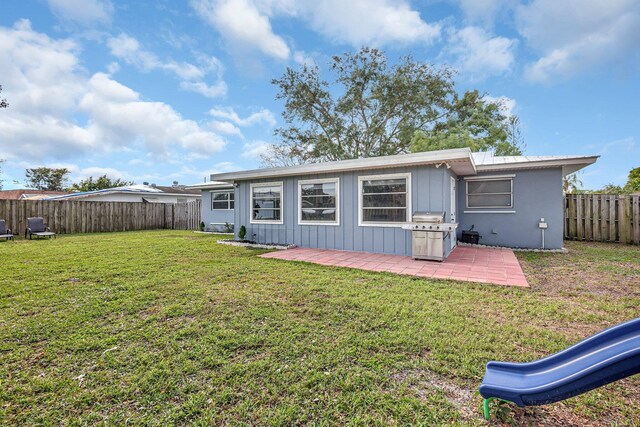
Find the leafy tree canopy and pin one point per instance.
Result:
(49, 179)
(475, 123)
(371, 108)
(633, 182)
(100, 183)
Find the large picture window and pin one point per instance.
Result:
(385, 199)
(319, 202)
(490, 193)
(266, 203)
(222, 200)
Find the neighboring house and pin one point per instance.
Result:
(217, 205)
(136, 193)
(28, 193)
(363, 204)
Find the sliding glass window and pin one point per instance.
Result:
(318, 202)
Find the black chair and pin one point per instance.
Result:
(5, 233)
(37, 228)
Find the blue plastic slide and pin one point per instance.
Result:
(603, 358)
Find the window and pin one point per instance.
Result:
(490, 193)
(222, 200)
(385, 199)
(318, 201)
(266, 203)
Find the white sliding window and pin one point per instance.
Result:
(385, 199)
(490, 193)
(318, 202)
(266, 203)
(222, 200)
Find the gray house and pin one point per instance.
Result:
(368, 204)
(217, 209)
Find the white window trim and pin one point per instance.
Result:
(266, 184)
(362, 223)
(319, 181)
(228, 200)
(488, 178)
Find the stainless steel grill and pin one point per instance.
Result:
(428, 230)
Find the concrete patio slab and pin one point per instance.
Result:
(498, 266)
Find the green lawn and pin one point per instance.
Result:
(170, 328)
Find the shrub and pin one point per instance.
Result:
(201, 225)
(228, 228)
(242, 233)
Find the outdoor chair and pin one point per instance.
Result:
(36, 227)
(5, 233)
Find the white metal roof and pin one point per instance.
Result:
(126, 189)
(486, 161)
(461, 161)
(211, 185)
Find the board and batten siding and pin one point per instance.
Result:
(536, 194)
(430, 191)
(214, 220)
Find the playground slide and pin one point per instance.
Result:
(605, 357)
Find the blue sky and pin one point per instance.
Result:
(169, 90)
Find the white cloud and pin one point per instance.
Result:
(485, 11)
(255, 149)
(192, 77)
(85, 12)
(242, 25)
(246, 24)
(262, 116)
(617, 146)
(224, 128)
(47, 121)
(302, 58)
(95, 172)
(479, 55)
(216, 90)
(113, 67)
(577, 35)
(368, 22)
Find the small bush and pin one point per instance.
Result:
(228, 228)
(242, 233)
(201, 225)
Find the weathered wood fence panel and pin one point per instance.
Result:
(602, 218)
(68, 216)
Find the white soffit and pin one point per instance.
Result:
(459, 160)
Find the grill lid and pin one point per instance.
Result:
(430, 217)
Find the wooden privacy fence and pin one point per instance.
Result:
(67, 216)
(602, 218)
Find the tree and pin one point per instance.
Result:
(632, 185)
(475, 123)
(633, 182)
(99, 184)
(49, 179)
(374, 109)
(3, 101)
(610, 189)
(571, 183)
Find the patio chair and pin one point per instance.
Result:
(5, 233)
(36, 227)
